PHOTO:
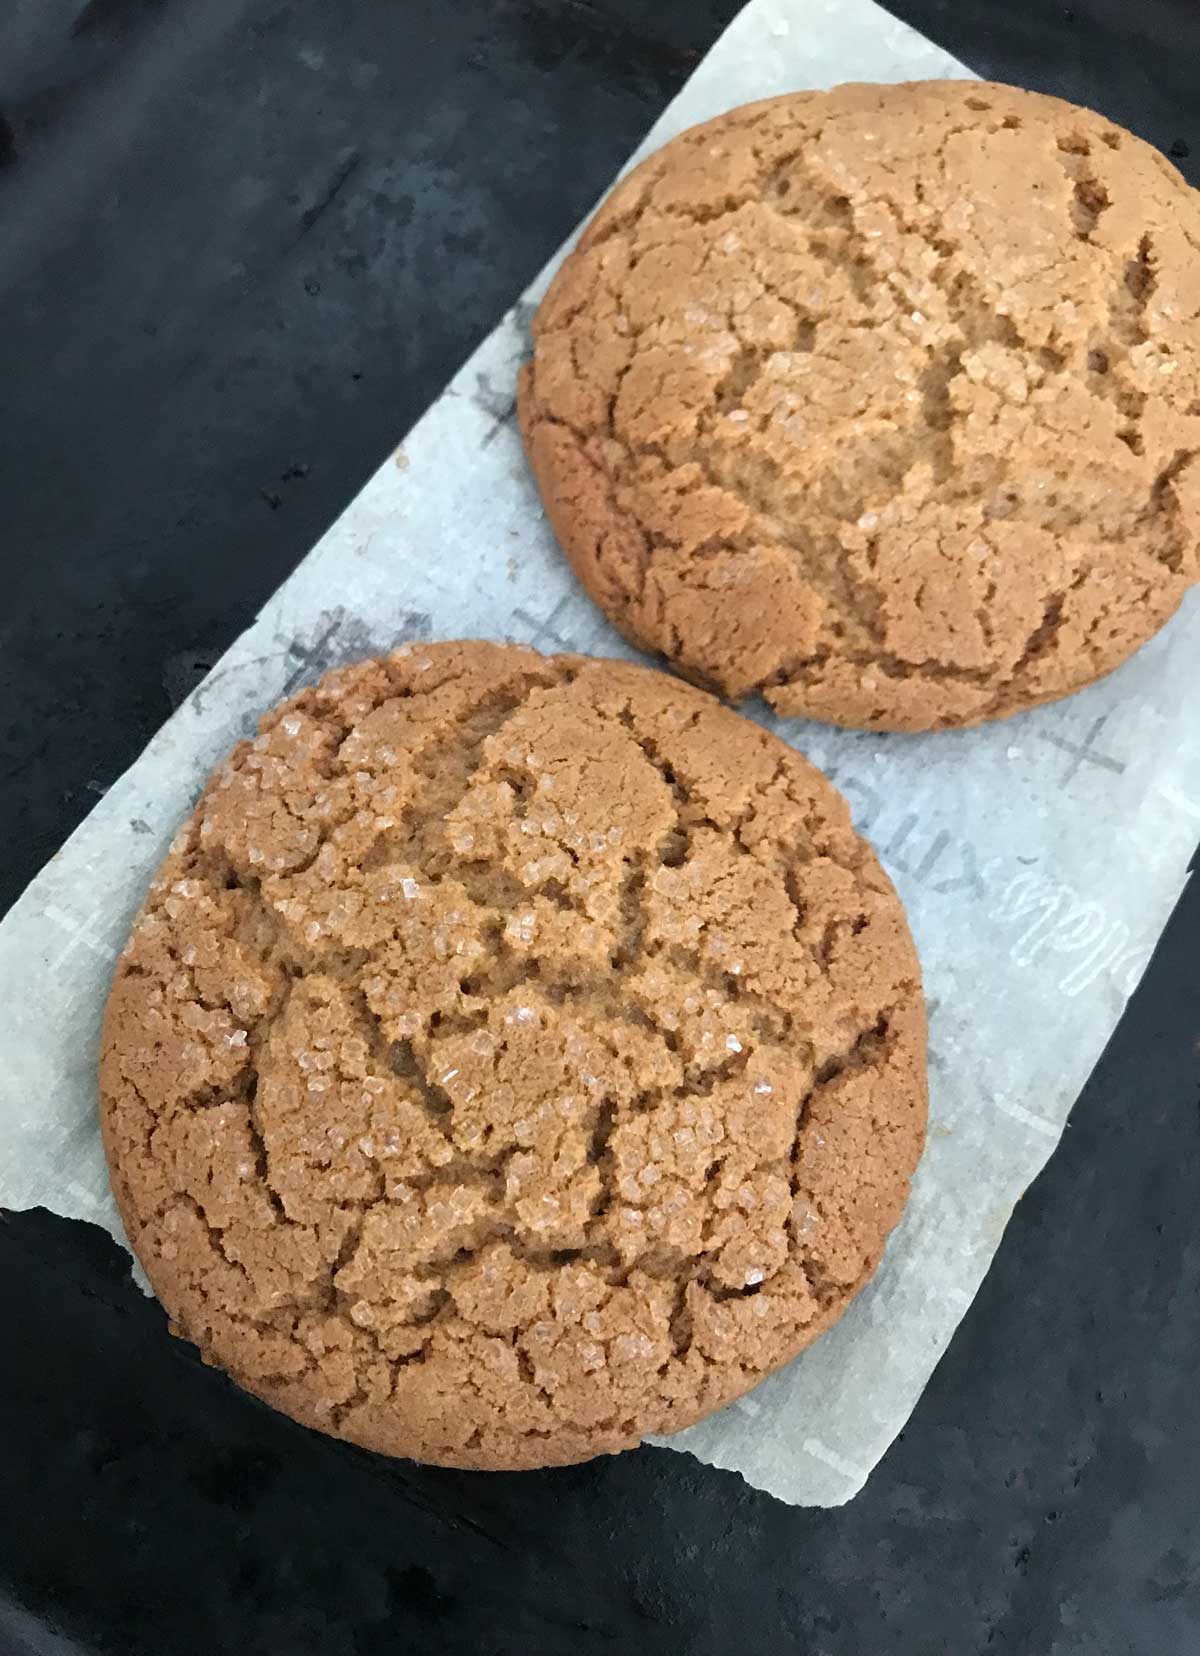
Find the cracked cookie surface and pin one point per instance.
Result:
(514, 1055)
(883, 402)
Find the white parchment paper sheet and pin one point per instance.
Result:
(1039, 859)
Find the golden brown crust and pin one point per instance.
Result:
(884, 402)
(514, 1056)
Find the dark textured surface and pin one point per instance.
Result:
(241, 247)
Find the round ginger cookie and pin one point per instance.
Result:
(883, 402)
(514, 1055)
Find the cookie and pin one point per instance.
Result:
(882, 402)
(513, 1056)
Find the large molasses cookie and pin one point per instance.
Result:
(884, 402)
(514, 1056)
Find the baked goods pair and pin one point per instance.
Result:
(518, 1055)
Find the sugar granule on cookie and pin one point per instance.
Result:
(513, 1056)
(882, 402)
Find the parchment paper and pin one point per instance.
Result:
(1039, 859)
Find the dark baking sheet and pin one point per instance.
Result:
(242, 245)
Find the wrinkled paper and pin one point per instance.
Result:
(1038, 859)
